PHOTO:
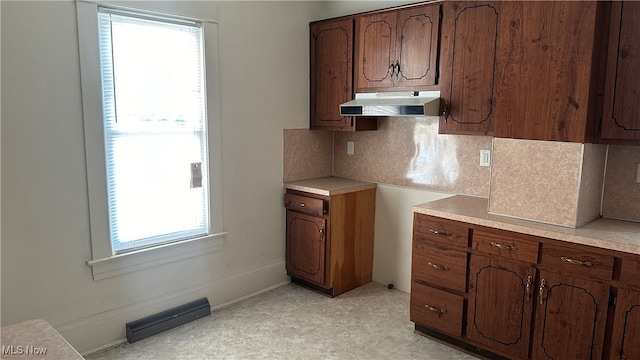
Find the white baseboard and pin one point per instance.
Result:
(107, 329)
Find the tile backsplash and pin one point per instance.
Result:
(621, 198)
(553, 182)
(409, 152)
(308, 154)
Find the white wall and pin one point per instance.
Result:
(394, 231)
(45, 222)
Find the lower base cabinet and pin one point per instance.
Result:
(329, 239)
(571, 318)
(500, 305)
(524, 297)
(625, 344)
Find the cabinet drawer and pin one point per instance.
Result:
(304, 204)
(442, 267)
(436, 309)
(440, 231)
(505, 246)
(578, 261)
(629, 272)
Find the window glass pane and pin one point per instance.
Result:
(153, 97)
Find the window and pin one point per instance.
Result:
(155, 129)
(152, 136)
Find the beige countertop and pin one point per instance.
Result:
(329, 186)
(604, 233)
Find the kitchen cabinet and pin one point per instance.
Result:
(547, 70)
(397, 50)
(438, 274)
(331, 76)
(626, 328)
(501, 295)
(306, 247)
(469, 58)
(570, 317)
(525, 297)
(329, 239)
(621, 117)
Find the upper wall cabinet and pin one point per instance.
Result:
(547, 70)
(621, 117)
(331, 55)
(469, 59)
(397, 50)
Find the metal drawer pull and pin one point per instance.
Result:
(436, 310)
(527, 288)
(543, 283)
(439, 232)
(576, 262)
(302, 205)
(502, 246)
(439, 267)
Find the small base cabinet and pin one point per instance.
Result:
(329, 239)
(510, 295)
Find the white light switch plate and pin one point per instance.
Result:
(638, 175)
(350, 147)
(485, 157)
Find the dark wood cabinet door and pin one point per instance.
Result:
(621, 119)
(376, 49)
(305, 251)
(331, 73)
(626, 329)
(501, 297)
(469, 58)
(570, 318)
(397, 50)
(417, 47)
(547, 71)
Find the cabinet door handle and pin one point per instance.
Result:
(439, 232)
(392, 66)
(445, 109)
(505, 247)
(397, 66)
(322, 233)
(527, 288)
(575, 262)
(436, 310)
(543, 283)
(438, 267)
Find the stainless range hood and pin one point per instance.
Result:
(410, 103)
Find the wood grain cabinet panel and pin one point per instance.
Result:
(621, 118)
(546, 85)
(469, 58)
(331, 76)
(397, 50)
(506, 245)
(578, 261)
(435, 308)
(530, 297)
(329, 241)
(626, 329)
(306, 247)
(570, 318)
(500, 305)
(441, 232)
(443, 267)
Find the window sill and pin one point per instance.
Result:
(143, 259)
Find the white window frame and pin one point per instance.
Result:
(103, 263)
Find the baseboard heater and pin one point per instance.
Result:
(168, 319)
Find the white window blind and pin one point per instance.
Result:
(155, 129)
